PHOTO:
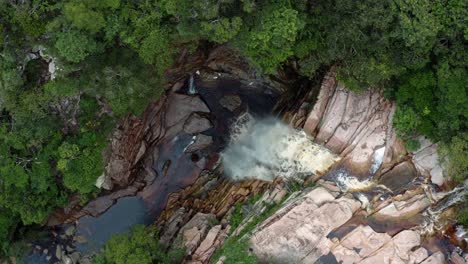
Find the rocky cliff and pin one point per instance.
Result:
(377, 204)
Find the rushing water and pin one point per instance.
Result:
(192, 89)
(175, 168)
(265, 149)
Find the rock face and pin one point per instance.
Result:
(426, 160)
(127, 142)
(357, 126)
(300, 233)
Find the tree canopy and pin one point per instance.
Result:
(112, 54)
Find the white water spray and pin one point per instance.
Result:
(192, 88)
(442, 201)
(267, 149)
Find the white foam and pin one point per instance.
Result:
(267, 149)
(377, 159)
(348, 183)
(192, 88)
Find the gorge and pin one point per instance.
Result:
(197, 152)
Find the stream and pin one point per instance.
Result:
(174, 168)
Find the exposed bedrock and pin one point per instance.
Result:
(358, 127)
(302, 233)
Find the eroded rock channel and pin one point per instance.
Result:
(373, 201)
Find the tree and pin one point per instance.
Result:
(271, 40)
(75, 45)
(140, 246)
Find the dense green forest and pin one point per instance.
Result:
(110, 57)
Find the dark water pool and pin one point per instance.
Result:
(127, 212)
(174, 168)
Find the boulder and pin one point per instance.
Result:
(399, 177)
(201, 141)
(196, 124)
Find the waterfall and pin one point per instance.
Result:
(265, 149)
(192, 88)
(443, 201)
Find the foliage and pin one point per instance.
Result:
(74, 45)
(462, 214)
(236, 248)
(456, 152)
(112, 55)
(271, 41)
(140, 246)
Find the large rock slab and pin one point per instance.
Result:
(363, 240)
(404, 208)
(357, 126)
(398, 250)
(299, 235)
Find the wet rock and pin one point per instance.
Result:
(69, 249)
(196, 124)
(180, 107)
(80, 239)
(299, 235)
(101, 204)
(398, 178)
(201, 142)
(67, 260)
(58, 252)
(231, 102)
(404, 208)
(70, 231)
(436, 258)
(75, 257)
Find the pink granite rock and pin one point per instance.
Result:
(299, 235)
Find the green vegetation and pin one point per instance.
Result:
(110, 58)
(140, 246)
(236, 248)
